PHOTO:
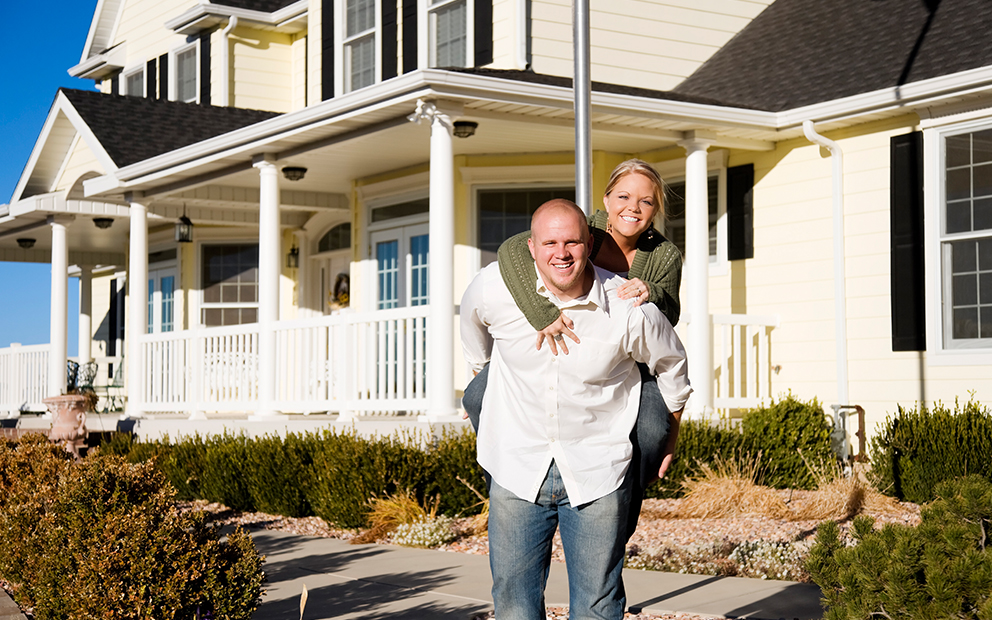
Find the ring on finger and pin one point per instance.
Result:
(558, 338)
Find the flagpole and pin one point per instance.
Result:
(582, 87)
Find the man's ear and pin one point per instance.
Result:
(530, 246)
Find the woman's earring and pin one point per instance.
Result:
(609, 226)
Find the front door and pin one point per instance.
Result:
(161, 300)
(402, 263)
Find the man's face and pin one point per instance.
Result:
(559, 244)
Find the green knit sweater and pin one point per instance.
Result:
(657, 262)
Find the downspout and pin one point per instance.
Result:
(840, 295)
(225, 78)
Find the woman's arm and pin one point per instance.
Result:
(660, 268)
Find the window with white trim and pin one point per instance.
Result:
(186, 76)
(448, 21)
(674, 228)
(134, 83)
(359, 44)
(966, 240)
(229, 282)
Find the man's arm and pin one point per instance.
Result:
(653, 342)
(477, 343)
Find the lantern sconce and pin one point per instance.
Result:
(293, 258)
(103, 223)
(26, 242)
(184, 228)
(293, 173)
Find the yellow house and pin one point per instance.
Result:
(348, 166)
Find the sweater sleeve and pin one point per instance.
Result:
(661, 270)
(517, 268)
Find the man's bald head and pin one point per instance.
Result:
(557, 207)
(559, 243)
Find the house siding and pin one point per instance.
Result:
(79, 161)
(637, 42)
(140, 29)
(262, 68)
(506, 39)
(315, 57)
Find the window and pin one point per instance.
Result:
(359, 44)
(506, 212)
(966, 240)
(337, 238)
(134, 83)
(675, 207)
(186, 74)
(229, 280)
(448, 33)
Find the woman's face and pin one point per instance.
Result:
(631, 205)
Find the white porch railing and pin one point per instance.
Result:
(23, 378)
(742, 360)
(352, 363)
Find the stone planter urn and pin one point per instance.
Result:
(68, 421)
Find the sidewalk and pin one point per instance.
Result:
(379, 581)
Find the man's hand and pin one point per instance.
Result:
(555, 334)
(673, 438)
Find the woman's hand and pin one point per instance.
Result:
(634, 289)
(673, 437)
(555, 334)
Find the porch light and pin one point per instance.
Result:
(103, 223)
(465, 129)
(293, 258)
(184, 229)
(293, 173)
(26, 243)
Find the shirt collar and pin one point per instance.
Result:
(596, 295)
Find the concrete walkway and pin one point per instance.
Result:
(379, 581)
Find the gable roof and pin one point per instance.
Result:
(266, 6)
(132, 129)
(802, 52)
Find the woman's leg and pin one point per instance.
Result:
(648, 438)
(472, 399)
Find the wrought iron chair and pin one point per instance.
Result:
(71, 374)
(113, 393)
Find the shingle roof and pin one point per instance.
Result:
(267, 6)
(133, 129)
(566, 82)
(801, 52)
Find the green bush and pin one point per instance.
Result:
(785, 433)
(939, 569)
(919, 448)
(777, 432)
(279, 473)
(102, 538)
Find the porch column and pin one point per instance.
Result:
(136, 321)
(58, 325)
(697, 270)
(269, 267)
(85, 314)
(440, 350)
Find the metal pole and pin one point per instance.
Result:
(582, 87)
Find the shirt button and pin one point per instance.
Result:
(551, 414)
(552, 440)
(551, 388)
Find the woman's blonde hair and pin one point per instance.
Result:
(638, 166)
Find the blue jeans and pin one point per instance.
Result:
(593, 536)
(648, 438)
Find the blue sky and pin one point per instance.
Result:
(40, 59)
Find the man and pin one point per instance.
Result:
(554, 433)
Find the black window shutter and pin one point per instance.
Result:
(409, 36)
(483, 32)
(115, 85)
(906, 229)
(327, 51)
(205, 68)
(163, 76)
(151, 87)
(740, 212)
(389, 41)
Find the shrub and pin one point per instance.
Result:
(940, 569)
(919, 448)
(777, 433)
(426, 533)
(102, 538)
(223, 478)
(784, 433)
(278, 474)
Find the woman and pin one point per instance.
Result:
(626, 243)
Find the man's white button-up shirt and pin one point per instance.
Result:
(576, 409)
